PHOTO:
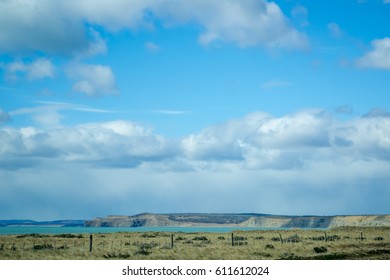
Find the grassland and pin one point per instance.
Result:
(340, 243)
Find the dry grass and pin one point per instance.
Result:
(340, 243)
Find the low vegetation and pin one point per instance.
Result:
(294, 244)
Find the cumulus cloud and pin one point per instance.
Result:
(38, 69)
(112, 143)
(292, 141)
(378, 57)
(256, 141)
(245, 23)
(92, 79)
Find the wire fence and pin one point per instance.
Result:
(107, 246)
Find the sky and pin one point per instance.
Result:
(225, 106)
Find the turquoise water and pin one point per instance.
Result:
(60, 230)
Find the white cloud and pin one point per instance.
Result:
(291, 141)
(117, 143)
(378, 57)
(245, 23)
(92, 80)
(257, 140)
(61, 29)
(38, 69)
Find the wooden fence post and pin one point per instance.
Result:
(90, 243)
(171, 240)
(281, 238)
(232, 239)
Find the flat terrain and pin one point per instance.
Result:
(339, 243)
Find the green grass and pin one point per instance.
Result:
(339, 243)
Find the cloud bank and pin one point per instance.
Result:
(307, 162)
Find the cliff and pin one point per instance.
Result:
(239, 220)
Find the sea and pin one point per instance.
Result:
(9, 230)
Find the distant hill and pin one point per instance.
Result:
(63, 223)
(239, 220)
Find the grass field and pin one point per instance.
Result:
(339, 243)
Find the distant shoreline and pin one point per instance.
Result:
(240, 220)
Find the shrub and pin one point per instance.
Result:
(43, 247)
(261, 254)
(34, 235)
(143, 251)
(269, 246)
(259, 237)
(239, 238)
(180, 238)
(68, 235)
(117, 256)
(200, 238)
(293, 239)
(332, 238)
(319, 250)
(379, 238)
(317, 238)
(240, 243)
(148, 235)
(289, 256)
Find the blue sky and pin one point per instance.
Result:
(122, 107)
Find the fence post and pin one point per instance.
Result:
(326, 238)
(90, 243)
(232, 239)
(281, 238)
(171, 240)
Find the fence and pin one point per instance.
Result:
(161, 245)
